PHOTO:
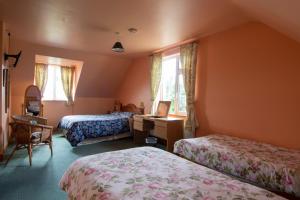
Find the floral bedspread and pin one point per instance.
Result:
(266, 165)
(150, 173)
(80, 127)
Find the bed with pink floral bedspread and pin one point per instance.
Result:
(150, 173)
(266, 165)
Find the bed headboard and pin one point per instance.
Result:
(132, 108)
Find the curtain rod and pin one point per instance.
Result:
(173, 46)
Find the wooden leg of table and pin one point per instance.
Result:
(170, 145)
(50, 146)
(11, 155)
(29, 149)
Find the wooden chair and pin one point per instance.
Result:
(30, 131)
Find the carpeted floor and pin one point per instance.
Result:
(40, 181)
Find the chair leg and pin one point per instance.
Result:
(29, 149)
(50, 146)
(11, 155)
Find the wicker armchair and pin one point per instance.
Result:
(30, 131)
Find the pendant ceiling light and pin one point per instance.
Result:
(118, 47)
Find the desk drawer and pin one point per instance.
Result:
(161, 123)
(160, 131)
(138, 126)
(137, 118)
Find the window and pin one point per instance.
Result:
(48, 77)
(171, 86)
(54, 88)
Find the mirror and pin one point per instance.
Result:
(33, 101)
(163, 109)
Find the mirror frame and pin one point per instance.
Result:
(27, 99)
(167, 104)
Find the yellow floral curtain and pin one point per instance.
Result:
(156, 68)
(188, 58)
(67, 78)
(41, 76)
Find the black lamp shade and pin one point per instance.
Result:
(118, 47)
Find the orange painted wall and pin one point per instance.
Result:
(136, 84)
(248, 85)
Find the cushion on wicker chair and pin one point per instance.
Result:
(36, 136)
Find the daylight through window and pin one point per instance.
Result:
(54, 88)
(171, 86)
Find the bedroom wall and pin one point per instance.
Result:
(247, 85)
(136, 84)
(100, 78)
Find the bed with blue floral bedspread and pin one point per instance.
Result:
(80, 127)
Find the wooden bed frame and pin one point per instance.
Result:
(132, 108)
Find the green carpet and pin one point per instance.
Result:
(40, 181)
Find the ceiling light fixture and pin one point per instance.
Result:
(132, 30)
(118, 47)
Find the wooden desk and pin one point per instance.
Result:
(169, 129)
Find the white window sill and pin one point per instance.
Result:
(54, 100)
(178, 115)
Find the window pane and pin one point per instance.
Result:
(54, 88)
(59, 92)
(168, 81)
(172, 85)
(49, 89)
(181, 95)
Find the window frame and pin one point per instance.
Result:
(179, 71)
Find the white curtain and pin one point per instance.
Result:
(188, 58)
(156, 68)
(41, 76)
(67, 78)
